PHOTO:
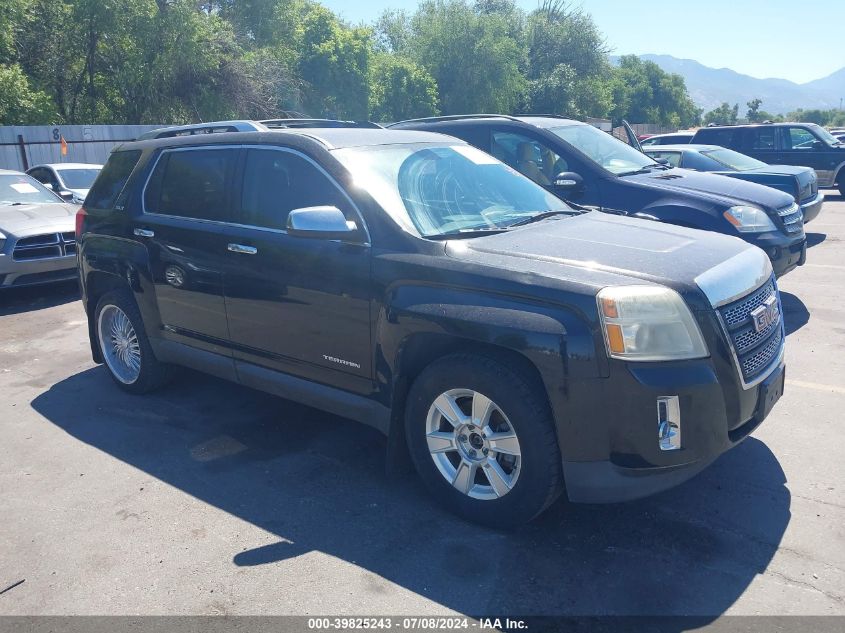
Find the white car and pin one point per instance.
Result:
(70, 180)
(37, 233)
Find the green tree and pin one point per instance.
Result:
(472, 57)
(753, 114)
(334, 63)
(644, 93)
(567, 71)
(20, 104)
(400, 89)
(723, 115)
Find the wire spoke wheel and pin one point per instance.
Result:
(473, 444)
(119, 344)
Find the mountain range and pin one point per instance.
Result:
(710, 87)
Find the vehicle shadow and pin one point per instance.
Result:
(29, 298)
(814, 239)
(317, 482)
(795, 313)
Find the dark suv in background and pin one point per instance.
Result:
(411, 282)
(579, 162)
(801, 144)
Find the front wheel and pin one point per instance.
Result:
(483, 441)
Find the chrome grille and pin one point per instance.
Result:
(792, 218)
(755, 351)
(737, 313)
(755, 363)
(46, 246)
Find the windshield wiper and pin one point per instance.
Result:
(544, 215)
(645, 170)
(464, 233)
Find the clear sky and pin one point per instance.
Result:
(799, 40)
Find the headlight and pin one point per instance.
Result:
(749, 219)
(648, 323)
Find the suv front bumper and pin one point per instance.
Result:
(811, 208)
(636, 466)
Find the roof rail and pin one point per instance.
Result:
(455, 117)
(212, 127)
(275, 124)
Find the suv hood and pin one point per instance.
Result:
(715, 188)
(23, 220)
(598, 249)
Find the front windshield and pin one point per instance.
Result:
(605, 150)
(826, 136)
(21, 189)
(79, 178)
(437, 190)
(734, 160)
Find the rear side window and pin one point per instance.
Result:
(724, 138)
(277, 182)
(112, 180)
(192, 184)
(764, 138)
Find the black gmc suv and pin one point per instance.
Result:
(514, 346)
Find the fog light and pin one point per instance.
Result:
(668, 423)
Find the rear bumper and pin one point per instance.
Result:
(812, 208)
(36, 271)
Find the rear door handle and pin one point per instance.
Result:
(243, 250)
(144, 233)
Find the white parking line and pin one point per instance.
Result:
(816, 386)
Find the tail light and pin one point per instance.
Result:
(80, 220)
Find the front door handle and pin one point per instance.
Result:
(144, 233)
(243, 250)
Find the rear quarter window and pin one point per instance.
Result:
(112, 180)
(723, 138)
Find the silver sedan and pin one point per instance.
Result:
(37, 240)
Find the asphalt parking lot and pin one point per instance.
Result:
(209, 498)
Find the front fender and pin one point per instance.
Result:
(419, 323)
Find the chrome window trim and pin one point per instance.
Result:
(729, 281)
(366, 242)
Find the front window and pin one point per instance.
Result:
(437, 190)
(79, 178)
(734, 160)
(605, 150)
(800, 138)
(18, 189)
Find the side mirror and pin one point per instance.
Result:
(662, 161)
(327, 223)
(568, 182)
(64, 194)
(819, 145)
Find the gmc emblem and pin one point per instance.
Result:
(766, 315)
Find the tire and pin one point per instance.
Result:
(527, 472)
(133, 367)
